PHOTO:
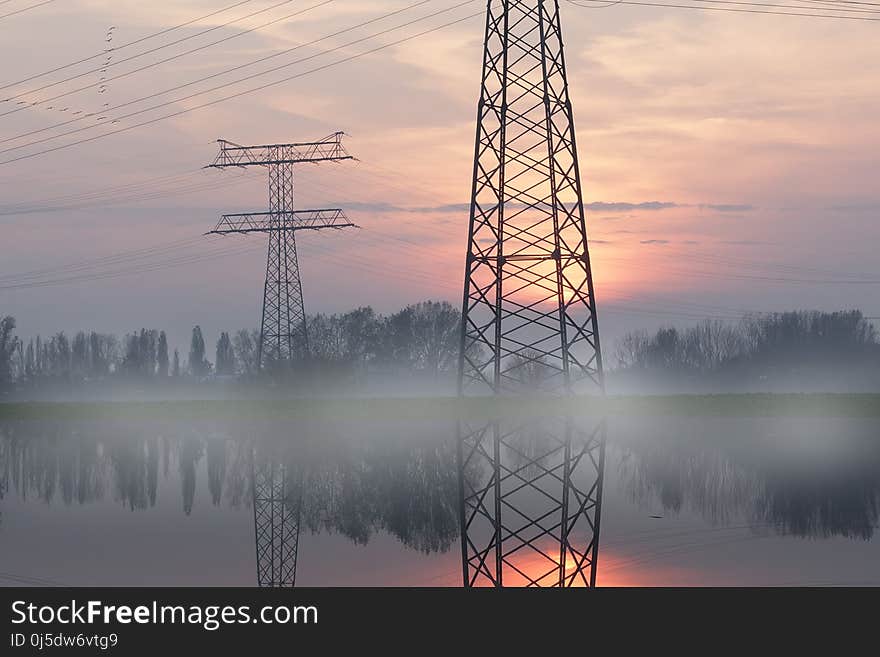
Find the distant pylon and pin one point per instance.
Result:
(529, 313)
(283, 332)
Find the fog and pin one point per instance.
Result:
(379, 498)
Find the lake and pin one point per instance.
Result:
(655, 501)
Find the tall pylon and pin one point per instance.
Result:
(283, 331)
(530, 496)
(529, 313)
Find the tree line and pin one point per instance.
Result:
(800, 349)
(421, 337)
(789, 350)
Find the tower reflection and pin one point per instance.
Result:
(277, 504)
(530, 501)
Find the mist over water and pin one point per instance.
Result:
(687, 500)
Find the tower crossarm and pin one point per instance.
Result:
(328, 149)
(267, 222)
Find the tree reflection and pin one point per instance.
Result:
(801, 483)
(401, 479)
(352, 486)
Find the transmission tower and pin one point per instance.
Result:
(283, 331)
(277, 500)
(529, 314)
(530, 496)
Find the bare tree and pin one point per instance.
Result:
(162, 355)
(8, 347)
(245, 344)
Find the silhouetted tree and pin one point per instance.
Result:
(225, 363)
(8, 346)
(133, 359)
(325, 338)
(435, 335)
(360, 334)
(56, 356)
(423, 336)
(245, 345)
(529, 368)
(30, 363)
(103, 353)
(162, 355)
(175, 368)
(795, 348)
(79, 356)
(632, 349)
(198, 366)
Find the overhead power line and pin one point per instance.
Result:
(257, 88)
(145, 53)
(24, 9)
(584, 4)
(124, 45)
(227, 71)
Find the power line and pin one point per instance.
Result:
(215, 75)
(578, 3)
(178, 261)
(427, 253)
(778, 6)
(131, 193)
(253, 89)
(149, 52)
(24, 9)
(124, 45)
(78, 142)
(122, 256)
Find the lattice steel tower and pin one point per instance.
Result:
(529, 309)
(283, 332)
(530, 493)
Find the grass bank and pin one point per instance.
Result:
(751, 405)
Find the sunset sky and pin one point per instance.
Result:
(729, 160)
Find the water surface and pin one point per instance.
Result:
(685, 501)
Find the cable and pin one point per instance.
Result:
(252, 89)
(96, 199)
(178, 261)
(24, 9)
(124, 45)
(577, 3)
(122, 256)
(148, 52)
(219, 74)
(778, 6)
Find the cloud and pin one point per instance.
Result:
(600, 206)
(654, 242)
(729, 207)
(596, 206)
(856, 207)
